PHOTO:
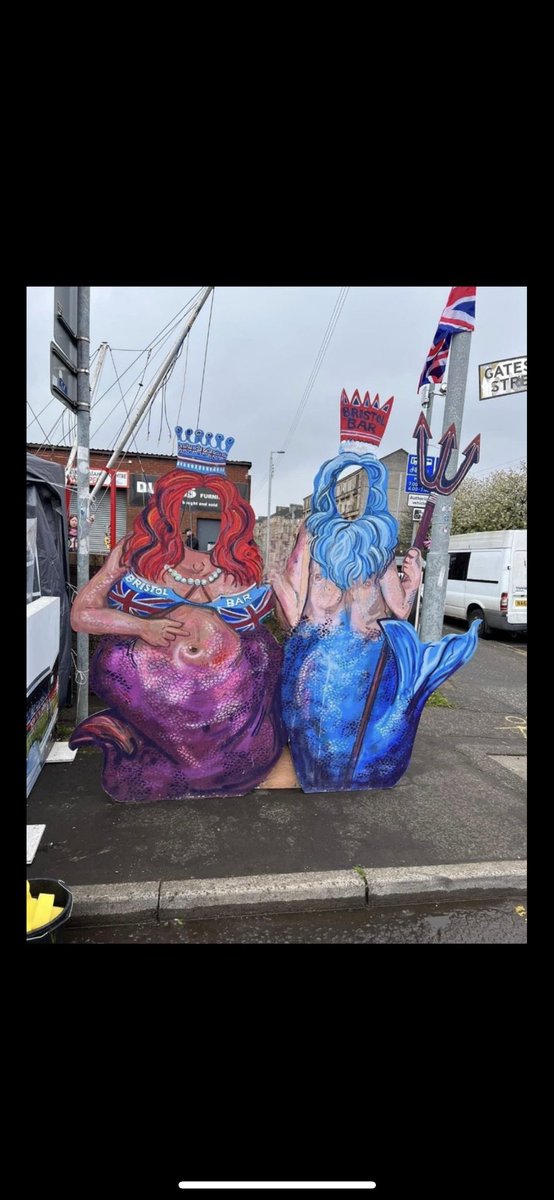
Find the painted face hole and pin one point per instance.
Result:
(350, 492)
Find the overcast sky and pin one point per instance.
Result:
(263, 348)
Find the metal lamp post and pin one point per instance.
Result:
(271, 469)
(436, 567)
(427, 401)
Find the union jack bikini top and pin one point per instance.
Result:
(243, 610)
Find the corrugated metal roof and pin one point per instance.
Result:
(132, 454)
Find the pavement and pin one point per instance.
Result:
(454, 827)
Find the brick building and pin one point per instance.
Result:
(135, 479)
(283, 527)
(397, 466)
(351, 494)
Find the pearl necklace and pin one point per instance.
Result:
(198, 582)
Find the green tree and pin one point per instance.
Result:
(499, 501)
(406, 532)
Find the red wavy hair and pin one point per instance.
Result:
(156, 535)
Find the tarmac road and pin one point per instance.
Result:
(494, 679)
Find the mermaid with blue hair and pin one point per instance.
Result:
(346, 609)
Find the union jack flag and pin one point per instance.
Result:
(138, 604)
(248, 616)
(458, 317)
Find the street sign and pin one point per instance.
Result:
(65, 321)
(417, 514)
(502, 378)
(412, 485)
(63, 378)
(418, 499)
(430, 464)
(121, 477)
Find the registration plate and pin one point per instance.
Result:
(520, 603)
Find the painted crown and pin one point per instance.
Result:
(197, 452)
(363, 420)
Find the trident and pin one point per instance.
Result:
(437, 480)
(441, 486)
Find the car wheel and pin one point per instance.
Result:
(477, 614)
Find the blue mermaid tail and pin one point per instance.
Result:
(326, 679)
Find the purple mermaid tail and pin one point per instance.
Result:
(180, 726)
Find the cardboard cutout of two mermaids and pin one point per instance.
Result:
(201, 697)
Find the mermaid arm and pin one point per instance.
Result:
(90, 612)
(291, 585)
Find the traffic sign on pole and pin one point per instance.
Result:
(63, 377)
(411, 469)
(65, 321)
(413, 485)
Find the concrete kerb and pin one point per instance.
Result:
(116, 903)
(309, 891)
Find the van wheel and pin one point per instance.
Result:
(477, 614)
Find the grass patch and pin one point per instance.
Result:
(438, 700)
(63, 731)
(274, 627)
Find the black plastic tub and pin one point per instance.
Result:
(62, 898)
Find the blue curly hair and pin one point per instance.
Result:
(350, 552)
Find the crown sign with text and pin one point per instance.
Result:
(363, 420)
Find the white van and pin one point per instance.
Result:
(487, 579)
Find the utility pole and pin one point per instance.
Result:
(436, 568)
(427, 405)
(398, 495)
(271, 470)
(154, 387)
(427, 400)
(83, 483)
(93, 386)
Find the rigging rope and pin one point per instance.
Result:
(205, 357)
(331, 326)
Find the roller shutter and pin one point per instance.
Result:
(101, 523)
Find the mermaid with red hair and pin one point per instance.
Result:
(188, 670)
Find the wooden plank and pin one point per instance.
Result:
(283, 774)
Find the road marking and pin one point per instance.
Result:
(514, 724)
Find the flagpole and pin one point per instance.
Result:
(436, 566)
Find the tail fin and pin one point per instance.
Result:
(104, 729)
(422, 667)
